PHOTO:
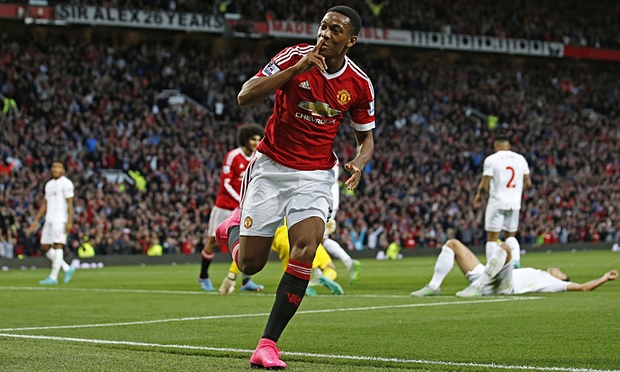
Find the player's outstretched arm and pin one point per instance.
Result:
(592, 284)
(257, 89)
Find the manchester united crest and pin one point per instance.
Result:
(247, 223)
(344, 96)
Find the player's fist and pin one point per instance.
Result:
(612, 275)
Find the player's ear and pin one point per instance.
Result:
(352, 41)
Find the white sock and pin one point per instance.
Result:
(515, 248)
(50, 254)
(493, 267)
(490, 248)
(335, 250)
(56, 263)
(443, 266)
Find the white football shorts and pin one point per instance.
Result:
(271, 191)
(54, 233)
(496, 220)
(217, 216)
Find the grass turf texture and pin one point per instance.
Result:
(156, 318)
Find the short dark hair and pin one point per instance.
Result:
(248, 131)
(502, 137)
(56, 160)
(356, 20)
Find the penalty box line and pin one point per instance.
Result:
(320, 311)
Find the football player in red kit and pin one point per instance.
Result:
(233, 167)
(291, 175)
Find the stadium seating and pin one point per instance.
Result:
(96, 106)
(573, 22)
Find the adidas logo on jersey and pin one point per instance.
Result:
(304, 84)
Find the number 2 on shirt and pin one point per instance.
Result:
(511, 184)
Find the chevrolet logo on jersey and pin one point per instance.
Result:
(319, 109)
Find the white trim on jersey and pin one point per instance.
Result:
(362, 74)
(363, 127)
(231, 190)
(294, 50)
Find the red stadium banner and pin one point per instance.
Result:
(307, 30)
(12, 11)
(592, 53)
(16, 11)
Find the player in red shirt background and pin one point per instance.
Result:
(291, 175)
(234, 165)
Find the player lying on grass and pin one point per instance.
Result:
(281, 246)
(498, 276)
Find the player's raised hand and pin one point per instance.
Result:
(356, 175)
(612, 275)
(311, 60)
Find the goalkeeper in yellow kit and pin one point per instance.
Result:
(281, 246)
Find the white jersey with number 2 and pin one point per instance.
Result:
(507, 169)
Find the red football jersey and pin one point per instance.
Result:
(235, 163)
(309, 108)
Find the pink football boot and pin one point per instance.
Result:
(266, 355)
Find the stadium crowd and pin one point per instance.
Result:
(572, 22)
(96, 107)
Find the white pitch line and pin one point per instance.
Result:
(322, 356)
(109, 290)
(211, 317)
(200, 293)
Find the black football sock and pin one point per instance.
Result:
(246, 279)
(290, 292)
(205, 262)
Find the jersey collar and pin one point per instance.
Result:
(339, 72)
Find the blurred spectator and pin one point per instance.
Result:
(86, 249)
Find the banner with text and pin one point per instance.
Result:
(421, 39)
(371, 35)
(159, 19)
(488, 44)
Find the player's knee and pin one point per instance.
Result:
(250, 268)
(506, 248)
(452, 243)
(251, 265)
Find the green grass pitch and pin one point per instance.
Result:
(156, 318)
